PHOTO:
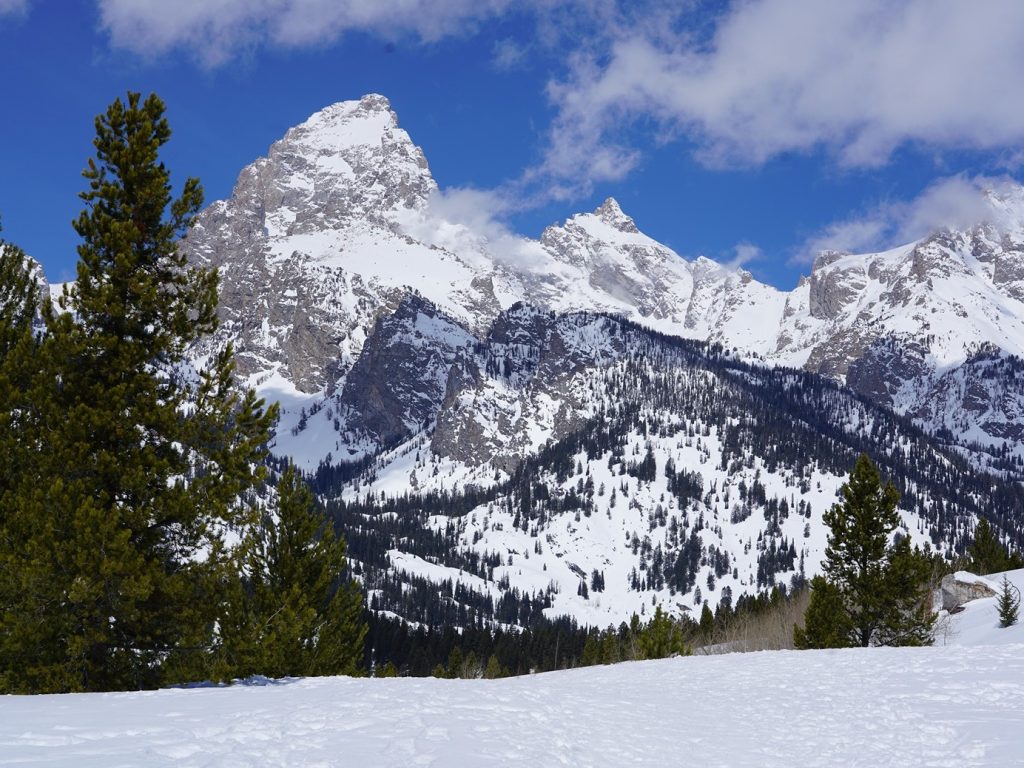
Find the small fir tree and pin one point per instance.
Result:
(494, 670)
(1008, 604)
(707, 623)
(661, 637)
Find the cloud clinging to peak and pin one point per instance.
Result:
(954, 202)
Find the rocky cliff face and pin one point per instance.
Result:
(326, 237)
(399, 381)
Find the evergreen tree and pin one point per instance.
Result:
(880, 587)
(988, 554)
(19, 300)
(909, 618)
(123, 473)
(494, 670)
(454, 669)
(1008, 604)
(591, 651)
(298, 614)
(855, 555)
(707, 622)
(826, 621)
(661, 637)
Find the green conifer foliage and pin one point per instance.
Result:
(873, 592)
(126, 471)
(855, 555)
(707, 623)
(1008, 604)
(909, 619)
(299, 614)
(494, 670)
(826, 622)
(988, 554)
(19, 296)
(661, 637)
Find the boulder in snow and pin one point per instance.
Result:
(961, 587)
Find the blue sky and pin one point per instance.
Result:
(750, 132)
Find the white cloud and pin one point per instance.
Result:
(217, 30)
(858, 79)
(509, 55)
(469, 221)
(955, 202)
(13, 6)
(743, 254)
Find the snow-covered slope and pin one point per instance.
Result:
(959, 706)
(596, 469)
(978, 622)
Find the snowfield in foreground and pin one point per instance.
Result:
(945, 706)
(958, 704)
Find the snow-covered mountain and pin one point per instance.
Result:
(336, 226)
(518, 420)
(580, 465)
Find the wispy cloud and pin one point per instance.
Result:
(743, 254)
(215, 31)
(777, 76)
(13, 7)
(467, 220)
(950, 203)
(509, 54)
(748, 83)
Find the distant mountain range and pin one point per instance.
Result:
(587, 424)
(334, 228)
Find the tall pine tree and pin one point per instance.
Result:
(873, 592)
(127, 468)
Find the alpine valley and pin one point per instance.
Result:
(587, 424)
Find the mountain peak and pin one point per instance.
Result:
(365, 121)
(610, 212)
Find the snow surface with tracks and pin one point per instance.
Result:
(956, 705)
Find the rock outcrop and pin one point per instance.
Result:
(961, 587)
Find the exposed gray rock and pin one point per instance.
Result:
(954, 592)
(399, 382)
(832, 290)
(530, 360)
(885, 367)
